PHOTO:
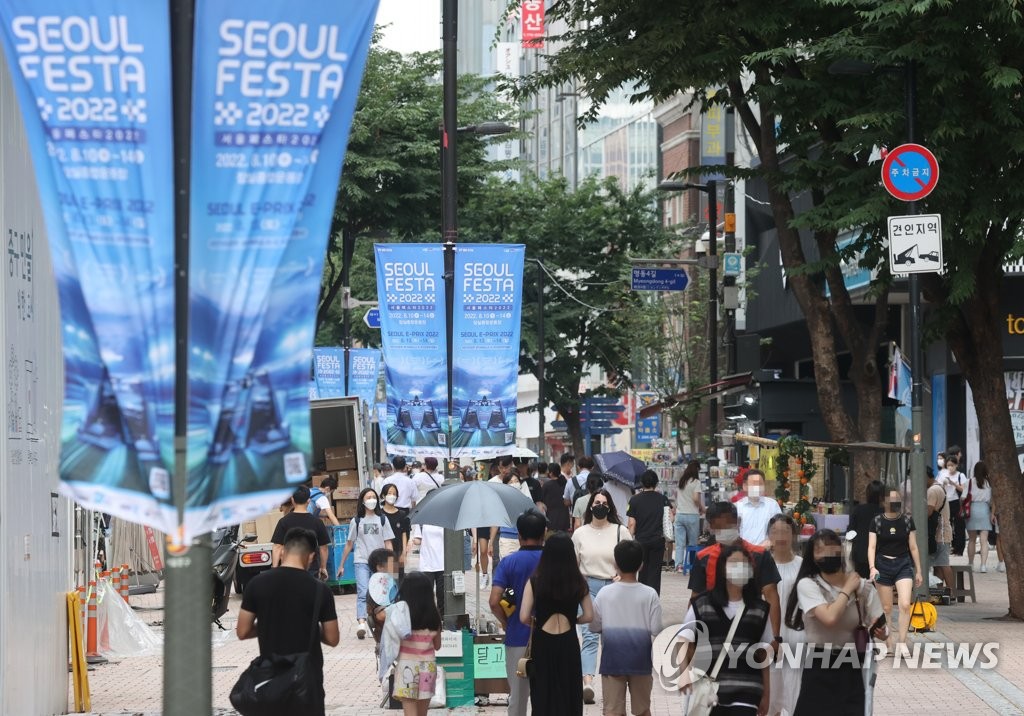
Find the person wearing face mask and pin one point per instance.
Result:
(782, 533)
(756, 510)
(894, 561)
(594, 543)
(399, 520)
(368, 531)
(829, 604)
(722, 520)
(743, 685)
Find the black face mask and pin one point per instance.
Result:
(895, 506)
(599, 511)
(830, 565)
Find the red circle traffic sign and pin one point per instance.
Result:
(910, 172)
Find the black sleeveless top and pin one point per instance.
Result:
(544, 609)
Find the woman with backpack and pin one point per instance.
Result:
(893, 561)
(368, 531)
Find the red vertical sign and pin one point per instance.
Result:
(533, 24)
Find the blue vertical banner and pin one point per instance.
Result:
(275, 86)
(487, 318)
(93, 79)
(329, 372)
(410, 288)
(363, 373)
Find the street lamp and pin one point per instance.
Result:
(455, 605)
(711, 189)
(850, 66)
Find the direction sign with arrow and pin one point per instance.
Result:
(372, 318)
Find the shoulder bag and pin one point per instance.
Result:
(703, 696)
(281, 683)
(524, 666)
(965, 501)
(668, 530)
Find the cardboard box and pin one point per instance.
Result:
(318, 478)
(347, 478)
(342, 457)
(346, 493)
(247, 528)
(345, 509)
(265, 525)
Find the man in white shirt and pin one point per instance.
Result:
(755, 510)
(406, 487)
(430, 540)
(579, 482)
(954, 483)
(425, 480)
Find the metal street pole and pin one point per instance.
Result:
(348, 246)
(712, 190)
(454, 604)
(188, 687)
(919, 508)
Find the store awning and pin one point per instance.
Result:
(853, 447)
(729, 384)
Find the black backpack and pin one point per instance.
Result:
(580, 491)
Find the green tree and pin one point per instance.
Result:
(390, 188)
(816, 137)
(584, 239)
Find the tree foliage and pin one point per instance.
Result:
(584, 238)
(390, 189)
(817, 135)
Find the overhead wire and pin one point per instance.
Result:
(562, 288)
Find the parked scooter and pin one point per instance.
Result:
(225, 561)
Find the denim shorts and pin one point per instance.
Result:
(891, 571)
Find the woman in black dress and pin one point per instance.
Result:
(862, 521)
(551, 600)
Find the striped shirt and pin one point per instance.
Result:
(418, 646)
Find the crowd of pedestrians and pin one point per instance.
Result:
(576, 585)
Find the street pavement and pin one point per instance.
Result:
(134, 685)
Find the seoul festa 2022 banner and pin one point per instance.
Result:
(485, 367)
(410, 289)
(94, 84)
(487, 317)
(275, 88)
(363, 372)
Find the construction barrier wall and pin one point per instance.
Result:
(35, 527)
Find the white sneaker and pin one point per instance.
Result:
(483, 580)
(1001, 567)
(361, 630)
(983, 569)
(588, 694)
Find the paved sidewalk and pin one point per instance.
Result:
(134, 686)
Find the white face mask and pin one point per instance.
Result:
(942, 462)
(370, 504)
(754, 492)
(727, 536)
(738, 573)
(391, 499)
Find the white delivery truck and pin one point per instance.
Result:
(338, 426)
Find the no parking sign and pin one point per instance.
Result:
(910, 172)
